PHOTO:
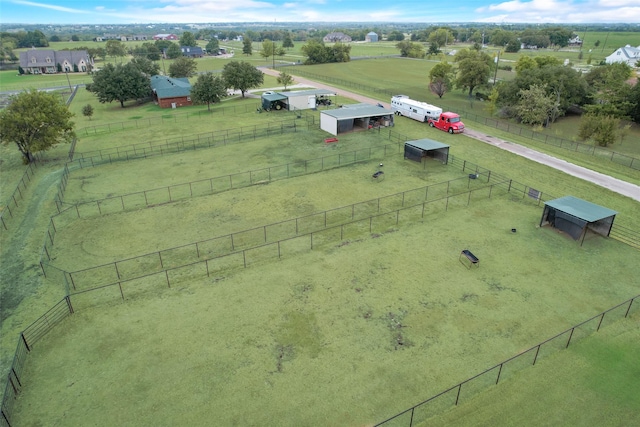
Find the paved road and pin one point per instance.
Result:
(621, 187)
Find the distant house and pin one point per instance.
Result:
(192, 51)
(629, 55)
(165, 37)
(45, 61)
(371, 37)
(171, 93)
(336, 37)
(575, 41)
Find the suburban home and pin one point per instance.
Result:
(629, 55)
(165, 37)
(171, 93)
(575, 41)
(192, 51)
(336, 37)
(45, 61)
(371, 37)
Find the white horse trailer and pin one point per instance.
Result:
(421, 111)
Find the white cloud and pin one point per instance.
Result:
(50, 6)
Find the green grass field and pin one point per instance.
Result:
(347, 334)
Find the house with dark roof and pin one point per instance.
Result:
(171, 93)
(192, 51)
(629, 55)
(336, 37)
(46, 61)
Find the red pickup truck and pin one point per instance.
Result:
(448, 122)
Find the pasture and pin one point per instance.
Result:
(364, 325)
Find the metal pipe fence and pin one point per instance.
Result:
(271, 241)
(158, 120)
(220, 183)
(179, 144)
(470, 387)
(149, 198)
(590, 149)
(32, 334)
(12, 202)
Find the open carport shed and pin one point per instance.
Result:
(355, 116)
(421, 148)
(305, 99)
(274, 101)
(576, 216)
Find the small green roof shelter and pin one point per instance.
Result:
(576, 216)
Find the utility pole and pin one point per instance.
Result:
(495, 75)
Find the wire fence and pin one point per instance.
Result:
(591, 149)
(465, 390)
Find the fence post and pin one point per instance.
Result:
(458, 395)
(600, 322)
(69, 304)
(499, 372)
(24, 340)
(570, 335)
(628, 308)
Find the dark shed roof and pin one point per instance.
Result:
(581, 208)
(427, 144)
(273, 97)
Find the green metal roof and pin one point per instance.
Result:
(356, 111)
(427, 144)
(167, 87)
(581, 208)
(273, 97)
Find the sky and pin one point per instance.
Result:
(331, 11)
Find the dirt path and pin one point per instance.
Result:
(616, 185)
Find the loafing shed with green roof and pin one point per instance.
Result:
(171, 93)
(576, 216)
(421, 148)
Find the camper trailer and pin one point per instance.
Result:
(417, 110)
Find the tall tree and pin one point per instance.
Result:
(247, 46)
(188, 39)
(441, 37)
(87, 111)
(535, 106)
(474, 69)
(173, 51)
(183, 67)
(285, 79)
(287, 43)
(440, 78)
(35, 121)
(213, 46)
(602, 129)
(268, 49)
(242, 76)
(146, 66)
(119, 83)
(115, 48)
(209, 89)
(410, 49)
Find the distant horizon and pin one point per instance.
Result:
(330, 12)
